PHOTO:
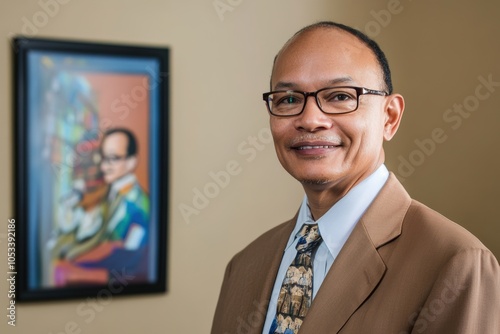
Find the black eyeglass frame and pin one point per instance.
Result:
(113, 159)
(359, 91)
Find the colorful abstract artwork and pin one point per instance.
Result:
(91, 154)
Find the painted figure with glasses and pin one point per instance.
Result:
(112, 235)
(379, 261)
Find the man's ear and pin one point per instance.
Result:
(394, 109)
(131, 163)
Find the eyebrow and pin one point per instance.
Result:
(292, 85)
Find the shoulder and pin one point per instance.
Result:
(137, 196)
(455, 270)
(425, 223)
(270, 242)
(429, 242)
(254, 266)
(395, 216)
(264, 253)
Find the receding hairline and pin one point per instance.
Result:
(364, 40)
(132, 146)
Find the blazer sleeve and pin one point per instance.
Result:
(465, 298)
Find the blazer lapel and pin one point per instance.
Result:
(358, 268)
(267, 277)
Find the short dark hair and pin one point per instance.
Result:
(370, 43)
(132, 142)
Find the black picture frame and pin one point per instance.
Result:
(88, 222)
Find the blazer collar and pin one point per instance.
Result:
(358, 268)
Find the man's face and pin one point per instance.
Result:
(320, 150)
(115, 163)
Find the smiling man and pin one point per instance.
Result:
(360, 256)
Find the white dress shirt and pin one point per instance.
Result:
(335, 226)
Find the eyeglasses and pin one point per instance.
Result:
(330, 100)
(112, 159)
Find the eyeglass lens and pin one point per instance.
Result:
(330, 100)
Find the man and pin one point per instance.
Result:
(113, 235)
(382, 262)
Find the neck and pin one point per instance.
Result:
(320, 201)
(322, 197)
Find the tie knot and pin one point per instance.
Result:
(309, 238)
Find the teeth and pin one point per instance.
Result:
(313, 147)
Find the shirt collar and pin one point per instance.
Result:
(121, 183)
(338, 222)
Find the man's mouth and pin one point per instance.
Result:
(314, 150)
(312, 147)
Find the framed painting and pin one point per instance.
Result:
(91, 168)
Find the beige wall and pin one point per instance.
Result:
(438, 51)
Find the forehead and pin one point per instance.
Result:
(115, 142)
(324, 56)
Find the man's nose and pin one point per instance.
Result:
(312, 119)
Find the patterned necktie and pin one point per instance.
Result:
(296, 291)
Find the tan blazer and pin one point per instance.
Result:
(404, 269)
